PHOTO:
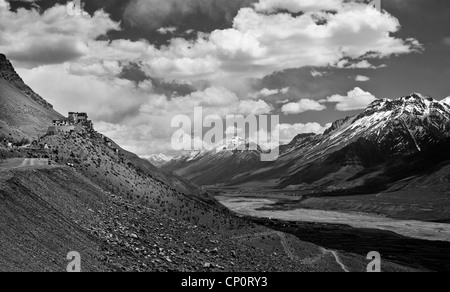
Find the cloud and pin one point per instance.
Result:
(316, 73)
(268, 92)
(167, 30)
(233, 131)
(284, 133)
(302, 106)
(296, 6)
(102, 68)
(152, 14)
(52, 37)
(364, 64)
(70, 62)
(355, 99)
(361, 78)
(290, 131)
(259, 44)
(251, 107)
(109, 100)
(265, 92)
(256, 45)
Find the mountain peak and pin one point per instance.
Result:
(157, 159)
(416, 97)
(233, 144)
(446, 101)
(5, 67)
(337, 124)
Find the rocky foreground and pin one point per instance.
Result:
(48, 211)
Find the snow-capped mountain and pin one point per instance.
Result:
(350, 151)
(446, 101)
(218, 165)
(384, 130)
(158, 159)
(396, 126)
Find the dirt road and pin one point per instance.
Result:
(290, 253)
(18, 163)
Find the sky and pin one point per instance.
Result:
(133, 65)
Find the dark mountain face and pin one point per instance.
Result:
(352, 151)
(23, 113)
(8, 73)
(300, 141)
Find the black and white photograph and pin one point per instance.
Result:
(227, 143)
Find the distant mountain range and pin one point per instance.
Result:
(158, 159)
(219, 165)
(351, 155)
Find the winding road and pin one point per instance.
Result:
(290, 254)
(18, 163)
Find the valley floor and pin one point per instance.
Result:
(427, 244)
(411, 228)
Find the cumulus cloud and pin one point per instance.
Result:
(265, 92)
(167, 30)
(268, 92)
(104, 68)
(257, 44)
(316, 73)
(284, 133)
(289, 131)
(361, 78)
(302, 106)
(260, 43)
(251, 107)
(355, 99)
(69, 61)
(52, 37)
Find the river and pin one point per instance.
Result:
(258, 207)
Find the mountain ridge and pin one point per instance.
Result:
(8, 73)
(24, 115)
(384, 130)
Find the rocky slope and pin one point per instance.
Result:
(49, 211)
(23, 113)
(8, 73)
